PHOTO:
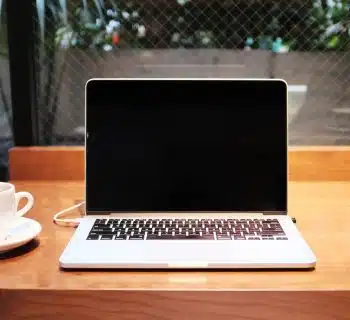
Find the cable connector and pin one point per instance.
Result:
(74, 222)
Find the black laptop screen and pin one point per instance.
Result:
(184, 145)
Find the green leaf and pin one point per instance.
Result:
(333, 42)
(61, 31)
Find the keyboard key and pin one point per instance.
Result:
(179, 237)
(136, 237)
(223, 237)
(93, 237)
(107, 237)
(94, 233)
(120, 237)
(162, 237)
(100, 229)
(100, 220)
(239, 238)
(107, 232)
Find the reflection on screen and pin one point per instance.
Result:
(186, 145)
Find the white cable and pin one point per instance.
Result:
(67, 222)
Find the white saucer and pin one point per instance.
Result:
(17, 231)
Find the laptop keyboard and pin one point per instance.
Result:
(187, 229)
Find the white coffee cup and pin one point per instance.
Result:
(9, 201)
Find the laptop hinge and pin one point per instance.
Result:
(267, 213)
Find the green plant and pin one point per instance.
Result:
(329, 25)
(321, 25)
(105, 26)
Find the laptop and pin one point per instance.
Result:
(186, 173)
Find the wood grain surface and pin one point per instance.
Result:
(33, 287)
(47, 163)
(67, 163)
(170, 305)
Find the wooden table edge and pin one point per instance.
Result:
(136, 304)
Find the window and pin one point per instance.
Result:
(304, 42)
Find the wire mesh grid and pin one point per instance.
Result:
(304, 42)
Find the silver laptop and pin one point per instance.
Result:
(186, 174)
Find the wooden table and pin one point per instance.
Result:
(32, 285)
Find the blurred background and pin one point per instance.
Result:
(50, 48)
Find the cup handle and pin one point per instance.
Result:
(29, 204)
